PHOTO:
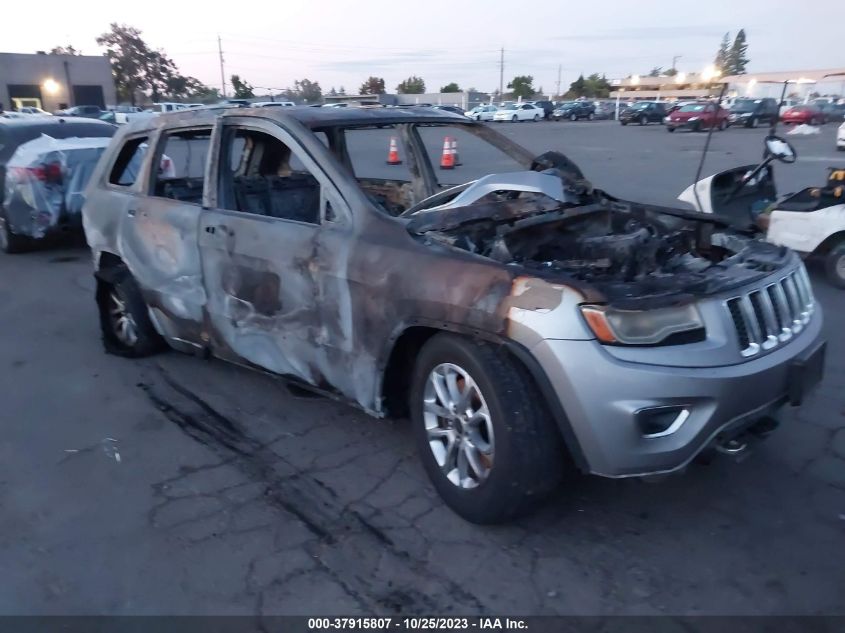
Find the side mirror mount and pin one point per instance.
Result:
(780, 149)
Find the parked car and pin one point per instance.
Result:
(643, 113)
(481, 113)
(547, 106)
(273, 104)
(803, 115)
(834, 112)
(697, 117)
(574, 110)
(605, 110)
(752, 112)
(514, 317)
(33, 111)
(786, 104)
(85, 111)
(516, 112)
(840, 138)
(44, 165)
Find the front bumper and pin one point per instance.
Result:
(603, 399)
(684, 125)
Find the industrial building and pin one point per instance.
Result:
(53, 82)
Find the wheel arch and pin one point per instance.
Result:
(395, 382)
(829, 242)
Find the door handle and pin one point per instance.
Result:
(131, 211)
(210, 229)
(225, 230)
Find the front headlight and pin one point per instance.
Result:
(693, 118)
(641, 327)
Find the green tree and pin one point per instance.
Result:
(373, 86)
(670, 72)
(125, 50)
(522, 86)
(450, 87)
(738, 55)
(721, 61)
(332, 92)
(655, 72)
(241, 89)
(413, 85)
(65, 50)
(307, 90)
(341, 92)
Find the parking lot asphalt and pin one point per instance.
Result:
(176, 485)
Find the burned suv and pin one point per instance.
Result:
(519, 316)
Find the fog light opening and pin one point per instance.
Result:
(656, 422)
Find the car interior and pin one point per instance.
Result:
(260, 175)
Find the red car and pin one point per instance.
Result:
(697, 116)
(803, 114)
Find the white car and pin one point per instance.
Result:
(33, 111)
(481, 113)
(515, 112)
(840, 138)
(273, 104)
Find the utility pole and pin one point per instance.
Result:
(674, 61)
(222, 72)
(557, 92)
(502, 73)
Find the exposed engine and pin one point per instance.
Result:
(630, 253)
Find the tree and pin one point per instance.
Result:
(125, 49)
(138, 68)
(655, 72)
(450, 87)
(738, 55)
(307, 90)
(670, 72)
(521, 86)
(241, 89)
(65, 50)
(413, 85)
(594, 86)
(721, 61)
(373, 86)
(332, 92)
(341, 92)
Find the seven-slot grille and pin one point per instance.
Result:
(767, 317)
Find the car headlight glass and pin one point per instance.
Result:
(641, 327)
(693, 118)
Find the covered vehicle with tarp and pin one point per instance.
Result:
(44, 167)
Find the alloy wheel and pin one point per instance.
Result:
(458, 425)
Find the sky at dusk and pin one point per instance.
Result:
(270, 44)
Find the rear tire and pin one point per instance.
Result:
(124, 319)
(513, 440)
(834, 265)
(10, 243)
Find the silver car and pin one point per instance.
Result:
(520, 318)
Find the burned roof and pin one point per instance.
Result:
(314, 118)
(13, 132)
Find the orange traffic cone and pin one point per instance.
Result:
(393, 152)
(447, 159)
(455, 156)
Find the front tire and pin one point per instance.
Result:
(591, 116)
(485, 437)
(124, 319)
(514, 119)
(573, 117)
(536, 118)
(834, 264)
(643, 120)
